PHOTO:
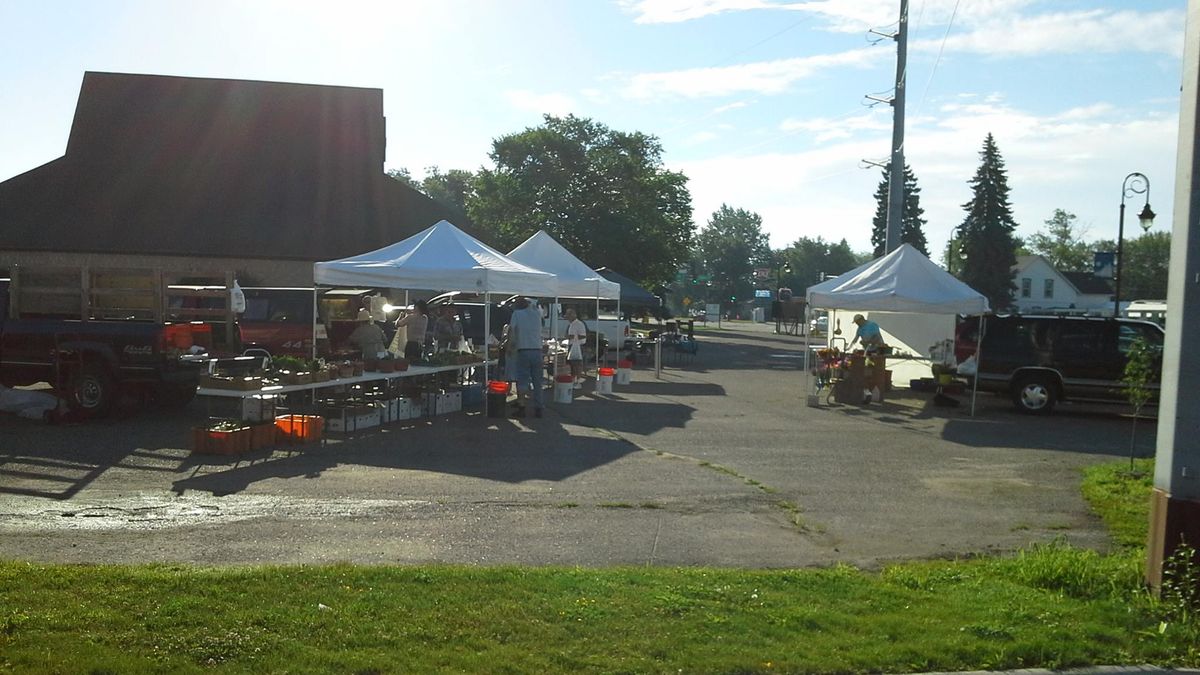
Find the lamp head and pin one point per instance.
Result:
(1146, 217)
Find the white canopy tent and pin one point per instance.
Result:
(440, 258)
(575, 279)
(901, 281)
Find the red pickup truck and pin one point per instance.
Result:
(91, 362)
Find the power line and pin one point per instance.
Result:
(921, 105)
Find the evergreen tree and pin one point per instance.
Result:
(911, 223)
(988, 246)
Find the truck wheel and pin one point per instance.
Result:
(1035, 394)
(92, 390)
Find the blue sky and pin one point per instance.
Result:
(759, 102)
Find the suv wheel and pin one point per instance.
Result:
(1035, 394)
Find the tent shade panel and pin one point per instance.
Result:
(632, 295)
(575, 279)
(441, 257)
(901, 281)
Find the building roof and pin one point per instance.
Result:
(211, 167)
(1087, 284)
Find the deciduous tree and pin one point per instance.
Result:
(1062, 244)
(603, 194)
(731, 245)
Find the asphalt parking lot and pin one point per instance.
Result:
(718, 463)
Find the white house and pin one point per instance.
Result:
(1041, 288)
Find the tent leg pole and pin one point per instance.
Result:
(978, 346)
(487, 349)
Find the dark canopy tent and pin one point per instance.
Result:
(632, 295)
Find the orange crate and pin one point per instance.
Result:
(212, 442)
(299, 428)
(262, 436)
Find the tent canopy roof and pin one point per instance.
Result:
(575, 279)
(901, 281)
(441, 257)
(631, 294)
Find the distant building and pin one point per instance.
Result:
(201, 176)
(1041, 288)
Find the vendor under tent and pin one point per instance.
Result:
(575, 279)
(440, 258)
(903, 281)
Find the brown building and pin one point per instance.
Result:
(200, 176)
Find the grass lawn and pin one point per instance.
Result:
(1050, 606)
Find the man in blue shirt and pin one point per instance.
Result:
(525, 329)
(868, 332)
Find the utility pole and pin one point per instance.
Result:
(1175, 504)
(895, 213)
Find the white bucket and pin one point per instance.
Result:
(624, 375)
(562, 392)
(604, 384)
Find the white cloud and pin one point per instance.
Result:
(732, 106)
(553, 104)
(1073, 159)
(1086, 32)
(994, 27)
(838, 15)
(766, 77)
(674, 11)
(826, 129)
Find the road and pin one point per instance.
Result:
(718, 463)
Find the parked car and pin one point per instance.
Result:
(91, 362)
(819, 326)
(1042, 360)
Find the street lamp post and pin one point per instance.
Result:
(1134, 184)
(777, 304)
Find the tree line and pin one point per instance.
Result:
(606, 195)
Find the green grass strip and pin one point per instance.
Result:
(1052, 606)
(1121, 498)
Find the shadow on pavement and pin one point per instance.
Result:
(56, 462)
(645, 417)
(509, 451)
(1096, 429)
(652, 387)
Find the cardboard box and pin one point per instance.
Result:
(352, 418)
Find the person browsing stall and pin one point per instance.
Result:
(416, 322)
(868, 332)
(368, 337)
(525, 330)
(576, 336)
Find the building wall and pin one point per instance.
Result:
(1063, 297)
(250, 271)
